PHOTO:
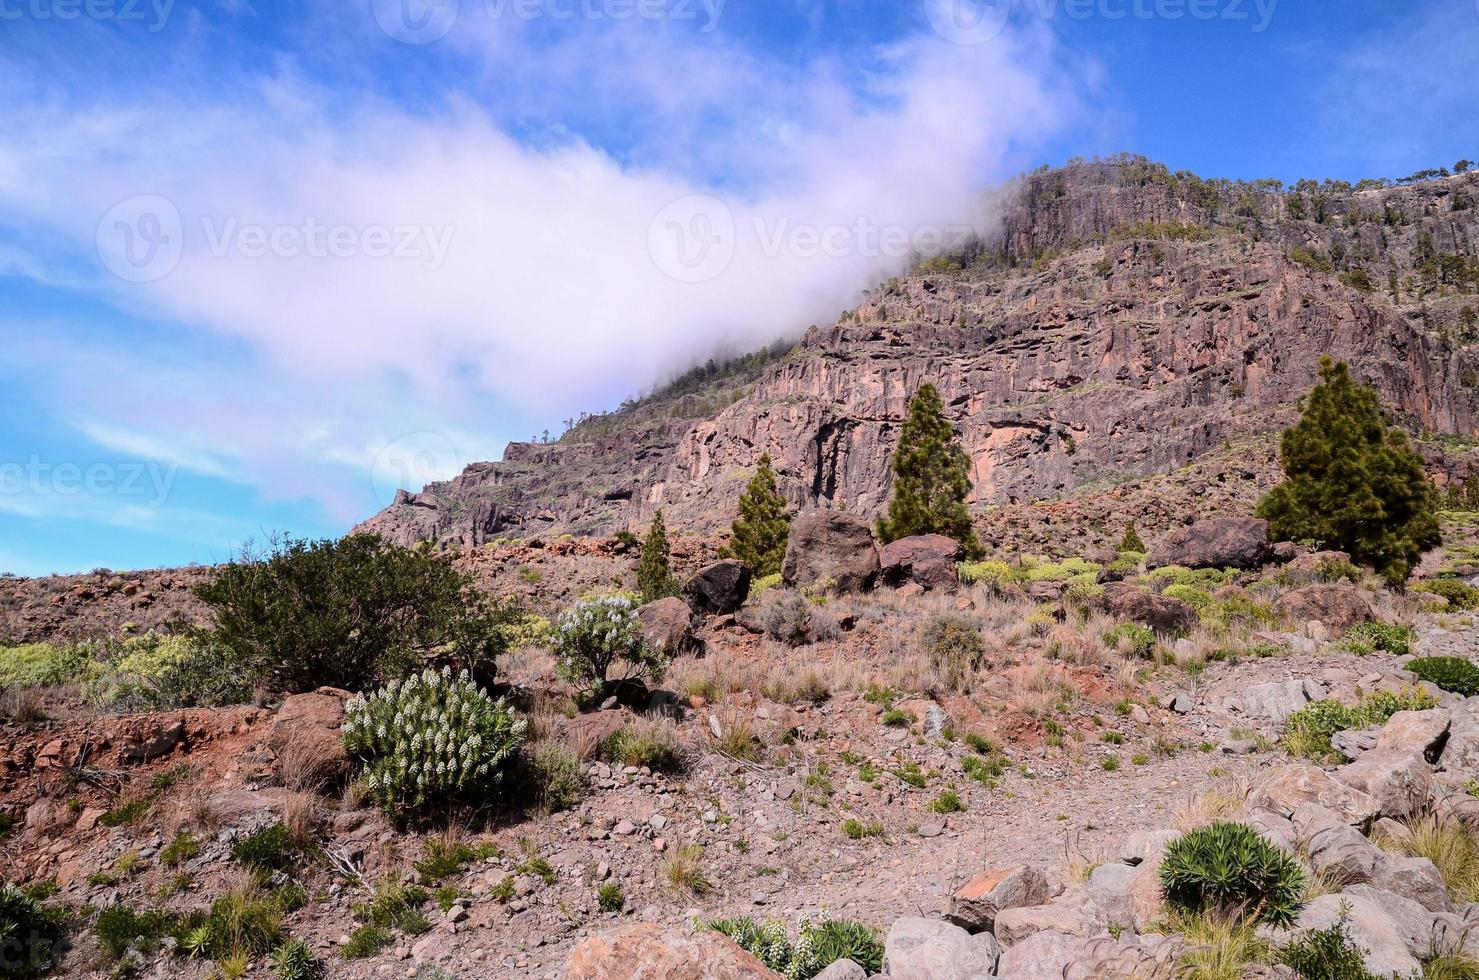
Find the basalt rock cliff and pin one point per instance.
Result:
(1123, 322)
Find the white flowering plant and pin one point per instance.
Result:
(599, 645)
(433, 736)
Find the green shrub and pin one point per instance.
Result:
(1337, 570)
(435, 737)
(161, 672)
(1453, 674)
(118, 928)
(349, 613)
(294, 960)
(610, 897)
(269, 848)
(553, 774)
(947, 802)
(1327, 954)
(1460, 595)
(1391, 637)
(443, 858)
(236, 925)
(817, 947)
(1230, 870)
(366, 941)
(654, 581)
(1198, 599)
(954, 646)
(41, 665)
(996, 574)
(764, 582)
(600, 636)
(181, 849)
(653, 744)
(1308, 731)
(395, 906)
(856, 829)
(1139, 639)
(29, 933)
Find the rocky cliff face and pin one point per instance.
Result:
(1125, 323)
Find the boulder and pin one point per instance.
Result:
(927, 560)
(1284, 789)
(1214, 542)
(833, 548)
(1338, 607)
(1145, 845)
(1399, 781)
(1461, 751)
(1371, 928)
(1161, 613)
(1414, 923)
(1044, 956)
(1276, 700)
(719, 588)
(1015, 925)
(639, 952)
(1109, 889)
(1415, 879)
(842, 970)
(667, 625)
(1335, 849)
(1311, 563)
(305, 736)
(928, 949)
(1416, 731)
(975, 905)
(153, 743)
(1145, 894)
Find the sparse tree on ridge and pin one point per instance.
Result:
(654, 580)
(758, 536)
(1352, 482)
(931, 477)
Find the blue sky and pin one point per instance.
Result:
(260, 263)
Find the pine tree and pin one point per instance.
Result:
(758, 537)
(1131, 540)
(654, 580)
(1471, 488)
(1352, 482)
(931, 477)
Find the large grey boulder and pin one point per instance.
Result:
(1371, 928)
(1015, 925)
(832, 548)
(1335, 849)
(1109, 889)
(1424, 732)
(1414, 878)
(1399, 781)
(1337, 607)
(1215, 542)
(1284, 789)
(1276, 700)
(842, 970)
(1414, 923)
(1043, 956)
(928, 949)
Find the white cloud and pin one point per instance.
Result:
(547, 297)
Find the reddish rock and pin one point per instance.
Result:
(1161, 613)
(975, 905)
(1216, 542)
(927, 560)
(647, 952)
(668, 625)
(1338, 607)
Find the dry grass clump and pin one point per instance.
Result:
(300, 817)
(1218, 948)
(1450, 845)
(308, 765)
(684, 871)
(1218, 803)
(737, 738)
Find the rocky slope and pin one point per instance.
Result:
(1125, 322)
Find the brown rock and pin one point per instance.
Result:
(647, 952)
(927, 560)
(1309, 563)
(1283, 790)
(720, 588)
(1161, 613)
(831, 547)
(975, 905)
(1400, 781)
(1338, 607)
(1216, 542)
(305, 736)
(668, 625)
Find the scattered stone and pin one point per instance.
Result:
(1284, 789)
(842, 970)
(667, 624)
(1337, 607)
(1161, 613)
(1016, 924)
(1275, 701)
(1399, 781)
(1416, 731)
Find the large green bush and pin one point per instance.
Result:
(435, 737)
(1460, 595)
(164, 671)
(599, 645)
(29, 933)
(1450, 673)
(350, 613)
(1327, 954)
(41, 665)
(1228, 869)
